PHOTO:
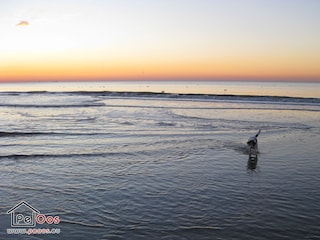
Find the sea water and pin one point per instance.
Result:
(162, 160)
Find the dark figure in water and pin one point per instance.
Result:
(253, 144)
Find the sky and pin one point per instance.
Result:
(42, 40)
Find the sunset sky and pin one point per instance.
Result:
(167, 39)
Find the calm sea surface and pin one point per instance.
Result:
(162, 160)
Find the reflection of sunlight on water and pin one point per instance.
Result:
(200, 87)
(133, 166)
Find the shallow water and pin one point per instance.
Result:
(134, 166)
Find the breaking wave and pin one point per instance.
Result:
(95, 96)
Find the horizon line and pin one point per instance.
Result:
(226, 79)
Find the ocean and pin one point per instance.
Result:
(160, 160)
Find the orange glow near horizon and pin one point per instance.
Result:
(71, 69)
(208, 41)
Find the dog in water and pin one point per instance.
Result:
(253, 144)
